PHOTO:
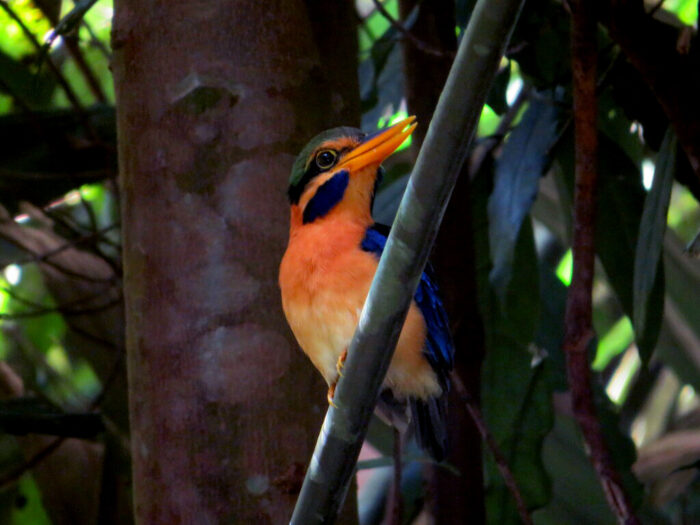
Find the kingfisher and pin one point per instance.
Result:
(328, 267)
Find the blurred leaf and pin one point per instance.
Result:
(550, 329)
(16, 79)
(516, 395)
(693, 248)
(47, 153)
(649, 248)
(577, 496)
(524, 159)
(617, 127)
(613, 343)
(44, 330)
(679, 343)
(28, 508)
(496, 98)
(371, 497)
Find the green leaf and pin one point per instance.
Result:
(650, 247)
(33, 89)
(32, 510)
(516, 394)
(524, 159)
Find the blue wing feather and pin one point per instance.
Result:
(439, 348)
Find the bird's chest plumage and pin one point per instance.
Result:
(325, 277)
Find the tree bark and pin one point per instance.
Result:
(214, 99)
(452, 499)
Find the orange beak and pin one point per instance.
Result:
(377, 146)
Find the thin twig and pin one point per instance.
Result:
(33, 304)
(395, 500)
(92, 337)
(417, 42)
(13, 475)
(498, 457)
(45, 258)
(63, 311)
(70, 243)
(96, 42)
(88, 74)
(579, 305)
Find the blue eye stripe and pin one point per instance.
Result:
(327, 196)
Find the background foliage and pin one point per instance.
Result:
(61, 338)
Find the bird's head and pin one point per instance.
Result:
(342, 165)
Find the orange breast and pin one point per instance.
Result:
(324, 278)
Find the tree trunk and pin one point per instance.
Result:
(214, 99)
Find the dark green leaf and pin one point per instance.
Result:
(17, 80)
(516, 395)
(650, 247)
(524, 159)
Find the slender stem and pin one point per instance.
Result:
(396, 501)
(579, 330)
(498, 457)
(401, 265)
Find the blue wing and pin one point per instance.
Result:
(439, 348)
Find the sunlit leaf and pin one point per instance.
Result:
(30, 511)
(613, 343)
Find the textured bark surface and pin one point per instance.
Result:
(214, 100)
(453, 499)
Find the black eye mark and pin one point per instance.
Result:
(326, 158)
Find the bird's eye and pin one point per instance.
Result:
(326, 158)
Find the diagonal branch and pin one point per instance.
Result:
(417, 42)
(499, 458)
(579, 328)
(404, 257)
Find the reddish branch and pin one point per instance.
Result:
(673, 74)
(579, 331)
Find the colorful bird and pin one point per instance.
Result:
(326, 272)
